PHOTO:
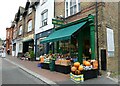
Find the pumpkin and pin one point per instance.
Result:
(80, 68)
(84, 62)
(73, 69)
(42, 59)
(95, 65)
(77, 72)
(87, 63)
(76, 64)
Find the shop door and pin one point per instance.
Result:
(103, 60)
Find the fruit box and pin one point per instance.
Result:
(76, 78)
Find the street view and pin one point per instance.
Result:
(59, 42)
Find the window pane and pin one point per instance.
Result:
(70, 2)
(66, 5)
(74, 9)
(29, 10)
(79, 7)
(67, 12)
(30, 25)
(44, 16)
(71, 11)
(20, 30)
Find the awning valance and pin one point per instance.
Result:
(64, 33)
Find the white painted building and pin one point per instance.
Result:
(19, 46)
(43, 25)
(44, 15)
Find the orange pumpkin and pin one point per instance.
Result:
(87, 63)
(95, 65)
(73, 69)
(80, 68)
(84, 62)
(77, 72)
(76, 64)
(41, 59)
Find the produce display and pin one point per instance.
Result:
(77, 68)
(63, 62)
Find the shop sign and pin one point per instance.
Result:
(57, 22)
(28, 37)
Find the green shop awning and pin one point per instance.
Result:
(64, 33)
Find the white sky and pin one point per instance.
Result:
(8, 9)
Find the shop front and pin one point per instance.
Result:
(74, 49)
(41, 49)
(28, 43)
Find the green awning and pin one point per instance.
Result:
(64, 33)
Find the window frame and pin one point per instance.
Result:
(20, 30)
(44, 17)
(43, 2)
(29, 26)
(29, 11)
(20, 17)
(72, 8)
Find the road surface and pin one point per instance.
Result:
(12, 74)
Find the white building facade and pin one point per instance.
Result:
(43, 25)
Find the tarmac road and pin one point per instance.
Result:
(12, 74)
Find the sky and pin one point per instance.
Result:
(8, 9)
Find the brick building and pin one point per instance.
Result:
(24, 21)
(107, 20)
(9, 37)
(29, 22)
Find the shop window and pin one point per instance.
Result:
(44, 17)
(20, 47)
(30, 26)
(69, 46)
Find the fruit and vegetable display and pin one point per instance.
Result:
(77, 68)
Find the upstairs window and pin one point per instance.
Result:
(79, 6)
(72, 7)
(20, 17)
(43, 1)
(30, 26)
(20, 30)
(66, 8)
(44, 17)
(29, 10)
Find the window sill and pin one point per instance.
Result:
(43, 25)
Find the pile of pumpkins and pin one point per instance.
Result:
(87, 65)
(77, 68)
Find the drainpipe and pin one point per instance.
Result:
(97, 44)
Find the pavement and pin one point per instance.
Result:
(52, 77)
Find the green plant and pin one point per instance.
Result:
(31, 54)
(50, 51)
